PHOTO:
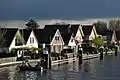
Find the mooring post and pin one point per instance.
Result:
(106, 49)
(46, 58)
(73, 58)
(116, 50)
(101, 53)
(80, 52)
(50, 62)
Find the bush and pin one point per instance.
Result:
(53, 54)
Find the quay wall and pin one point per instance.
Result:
(7, 60)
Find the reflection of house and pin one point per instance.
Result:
(89, 32)
(13, 39)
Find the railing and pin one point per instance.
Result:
(63, 61)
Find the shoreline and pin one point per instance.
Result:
(85, 57)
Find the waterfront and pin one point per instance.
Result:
(93, 69)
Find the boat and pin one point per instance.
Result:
(27, 68)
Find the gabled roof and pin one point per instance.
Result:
(87, 29)
(48, 34)
(110, 33)
(103, 33)
(117, 35)
(75, 28)
(9, 35)
(66, 38)
(62, 28)
(25, 33)
(39, 33)
(65, 30)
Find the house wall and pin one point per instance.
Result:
(35, 44)
(12, 45)
(72, 43)
(95, 31)
(78, 35)
(57, 45)
(92, 35)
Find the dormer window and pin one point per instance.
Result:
(57, 38)
(31, 40)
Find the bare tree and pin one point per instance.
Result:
(101, 26)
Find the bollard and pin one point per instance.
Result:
(46, 61)
(101, 53)
(116, 49)
(80, 57)
(106, 51)
(73, 58)
(50, 63)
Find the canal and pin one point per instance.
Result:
(93, 69)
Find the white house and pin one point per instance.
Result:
(32, 40)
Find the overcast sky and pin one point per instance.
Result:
(58, 9)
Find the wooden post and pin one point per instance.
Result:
(106, 49)
(80, 52)
(116, 49)
(101, 53)
(50, 62)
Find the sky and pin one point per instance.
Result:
(58, 9)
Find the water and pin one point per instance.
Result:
(107, 69)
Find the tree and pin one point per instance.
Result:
(114, 24)
(98, 41)
(101, 26)
(32, 24)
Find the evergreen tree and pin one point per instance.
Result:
(32, 24)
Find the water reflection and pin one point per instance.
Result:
(107, 69)
(4, 74)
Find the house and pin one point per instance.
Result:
(51, 38)
(70, 31)
(78, 33)
(104, 34)
(89, 32)
(118, 36)
(30, 39)
(13, 39)
(111, 37)
(70, 42)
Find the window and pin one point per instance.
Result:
(16, 41)
(71, 40)
(54, 49)
(59, 48)
(31, 40)
(57, 38)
